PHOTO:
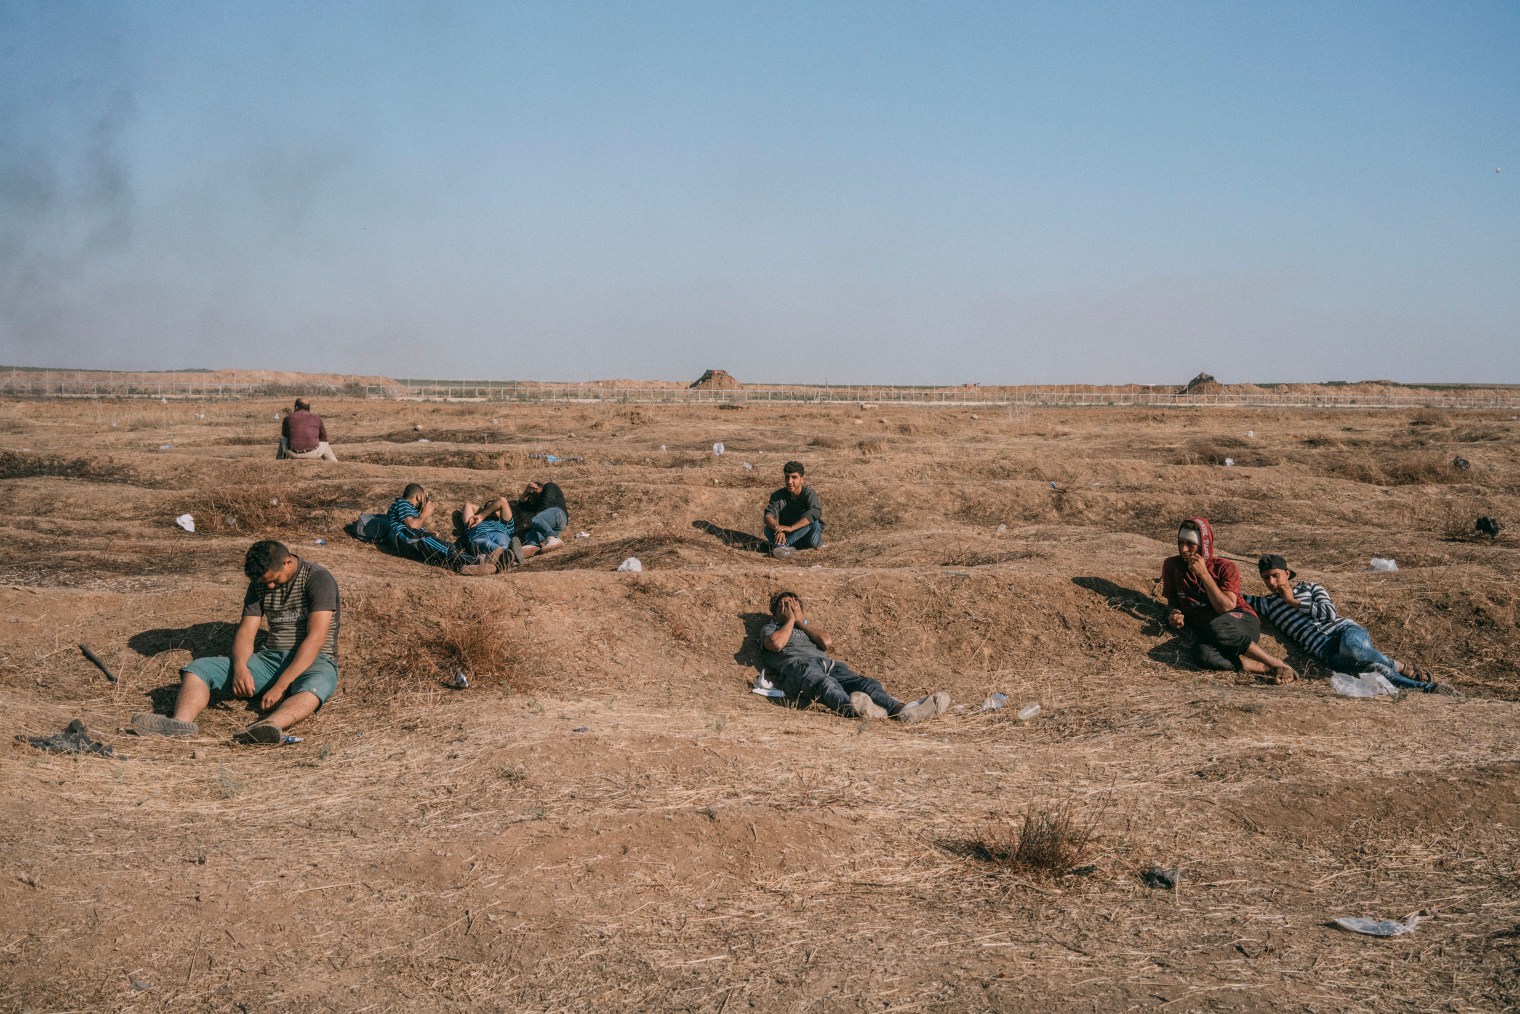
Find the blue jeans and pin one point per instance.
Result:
(546, 524)
(485, 542)
(1352, 651)
(830, 683)
(810, 537)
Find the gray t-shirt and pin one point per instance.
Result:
(798, 648)
(287, 608)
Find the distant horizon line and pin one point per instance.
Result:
(480, 382)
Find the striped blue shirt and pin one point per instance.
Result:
(1312, 624)
(395, 519)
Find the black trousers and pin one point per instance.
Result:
(1226, 636)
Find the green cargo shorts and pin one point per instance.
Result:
(320, 680)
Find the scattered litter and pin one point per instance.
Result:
(461, 680)
(556, 459)
(1229, 462)
(186, 522)
(1055, 487)
(417, 427)
(166, 447)
(200, 415)
(274, 501)
(552, 459)
(580, 728)
(1250, 434)
(662, 447)
(1166, 878)
(73, 739)
(1385, 564)
(631, 565)
(748, 467)
(95, 660)
(319, 542)
(1002, 529)
(583, 535)
(164, 400)
(1489, 526)
(113, 424)
(277, 417)
(288, 739)
(495, 422)
(140, 986)
(718, 447)
(423, 440)
(1367, 684)
(1460, 463)
(975, 416)
(1028, 711)
(765, 688)
(995, 701)
(1381, 927)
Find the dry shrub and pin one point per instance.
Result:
(246, 510)
(1430, 417)
(870, 446)
(407, 642)
(18, 465)
(1417, 469)
(823, 440)
(637, 417)
(1046, 841)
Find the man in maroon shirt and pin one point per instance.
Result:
(304, 435)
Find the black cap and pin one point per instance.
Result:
(1272, 561)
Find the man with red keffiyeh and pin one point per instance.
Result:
(1204, 593)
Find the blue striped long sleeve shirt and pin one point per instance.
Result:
(1312, 624)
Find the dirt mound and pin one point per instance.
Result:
(1204, 383)
(717, 380)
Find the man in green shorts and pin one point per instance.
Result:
(296, 671)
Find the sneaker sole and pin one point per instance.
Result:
(162, 725)
(261, 734)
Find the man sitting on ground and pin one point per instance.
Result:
(794, 514)
(795, 651)
(406, 533)
(303, 434)
(1204, 593)
(1305, 613)
(542, 516)
(296, 671)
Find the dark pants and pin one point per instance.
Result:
(1221, 642)
(831, 683)
(430, 549)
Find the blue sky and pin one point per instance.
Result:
(873, 192)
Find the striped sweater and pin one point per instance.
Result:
(1312, 624)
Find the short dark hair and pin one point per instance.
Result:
(776, 599)
(302, 405)
(793, 466)
(262, 557)
(412, 489)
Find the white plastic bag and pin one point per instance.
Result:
(1367, 684)
(186, 522)
(1384, 564)
(631, 566)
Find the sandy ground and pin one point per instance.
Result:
(610, 821)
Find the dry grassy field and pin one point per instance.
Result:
(609, 821)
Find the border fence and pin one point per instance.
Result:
(183, 387)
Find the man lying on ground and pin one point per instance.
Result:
(794, 514)
(406, 532)
(1307, 616)
(1204, 593)
(795, 654)
(488, 527)
(296, 671)
(542, 516)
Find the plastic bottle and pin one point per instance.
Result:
(995, 701)
(1029, 711)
